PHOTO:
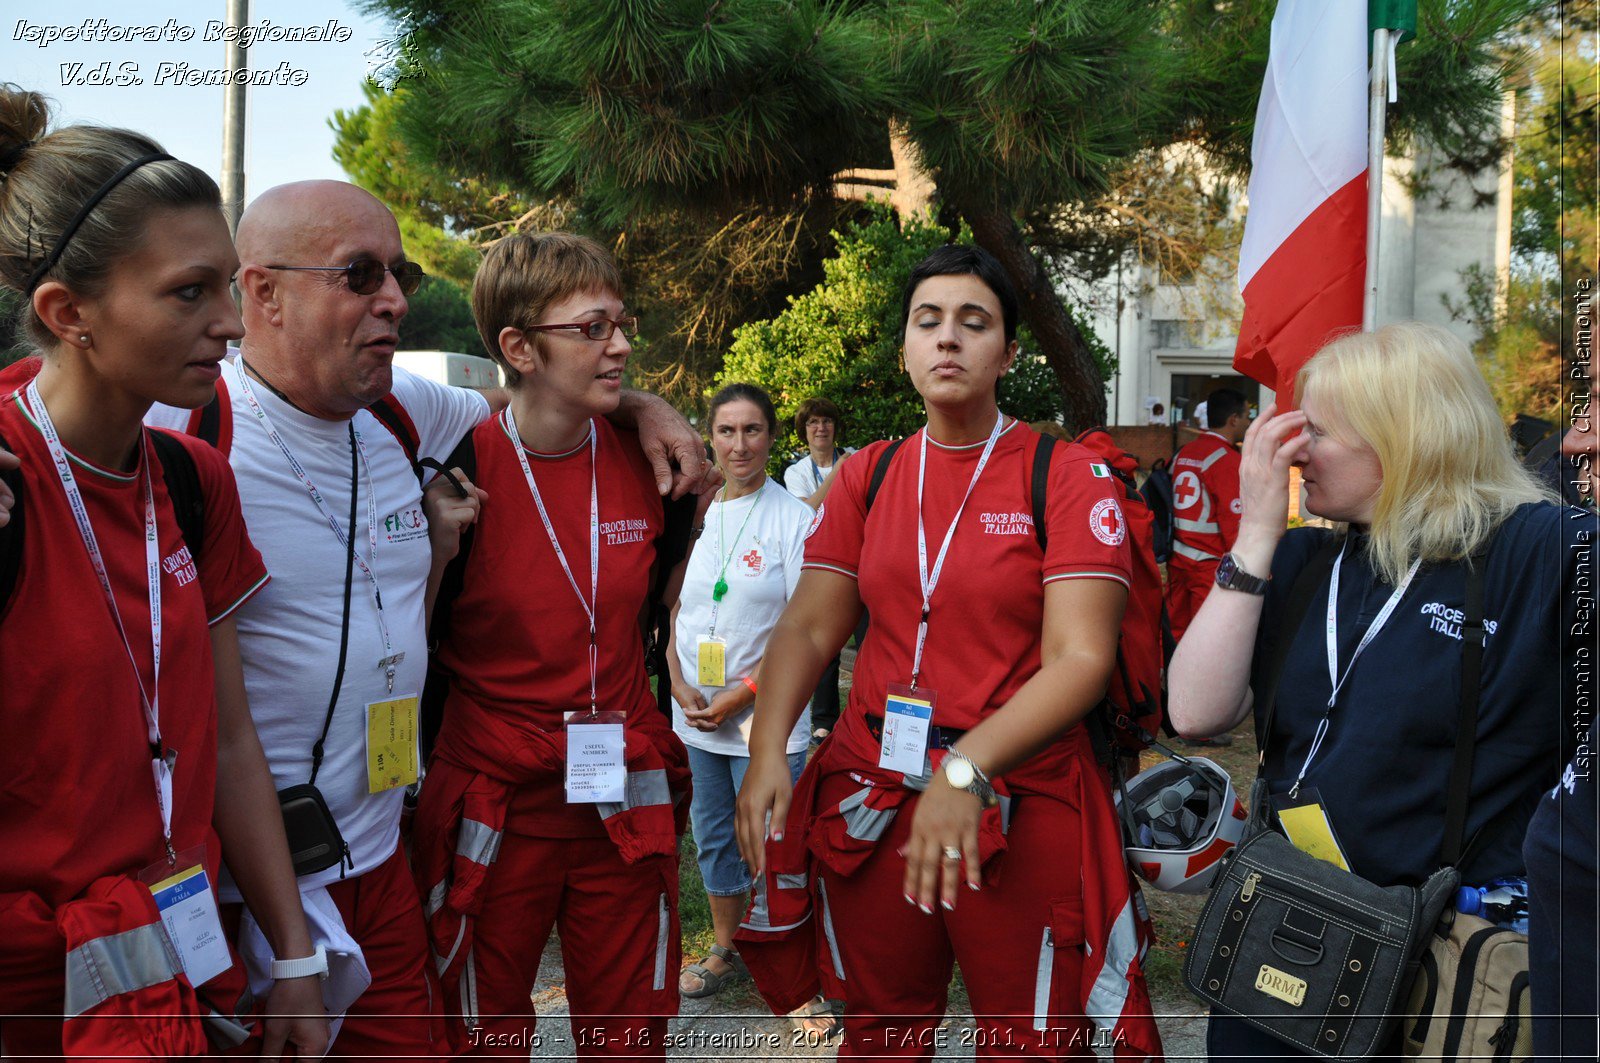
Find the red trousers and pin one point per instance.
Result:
(1188, 583)
(1019, 944)
(398, 1017)
(619, 946)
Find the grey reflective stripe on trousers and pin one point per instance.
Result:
(478, 842)
(1184, 550)
(827, 930)
(1205, 527)
(1041, 981)
(643, 788)
(1110, 992)
(759, 918)
(110, 966)
(861, 822)
(663, 928)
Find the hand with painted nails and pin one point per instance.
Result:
(763, 806)
(942, 851)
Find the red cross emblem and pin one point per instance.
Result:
(1185, 490)
(1105, 521)
(752, 561)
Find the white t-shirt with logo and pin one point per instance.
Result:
(763, 568)
(289, 633)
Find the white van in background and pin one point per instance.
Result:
(449, 367)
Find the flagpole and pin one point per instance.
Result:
(1377, 113)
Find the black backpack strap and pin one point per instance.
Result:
(1472, 636)
(880, 470)
(1041, 486)
(11, 534)
(206, 422)
(183, 488)
(1305, 588)
(465, 458)
(393, 416)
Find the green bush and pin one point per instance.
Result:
(841, 340)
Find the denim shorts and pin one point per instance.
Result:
(717, 778)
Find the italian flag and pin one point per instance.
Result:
(1302, 265)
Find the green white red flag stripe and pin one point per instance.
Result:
(1303, 260)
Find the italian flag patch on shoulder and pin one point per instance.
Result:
(1099, 470)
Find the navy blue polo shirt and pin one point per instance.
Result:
(1563, 931)
(1384, 766)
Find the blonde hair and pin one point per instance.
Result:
(1413, 394)
(524, 273)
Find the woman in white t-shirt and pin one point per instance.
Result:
(742, 569)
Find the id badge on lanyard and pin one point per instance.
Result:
(907, 723)
(185, 896)
(392, 743)
(597, 766)
(712, 656)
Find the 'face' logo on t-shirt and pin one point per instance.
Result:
(627, 530)
(404, 525)
(180, 566)
(1007, 523)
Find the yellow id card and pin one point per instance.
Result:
(391, 744)
(1306, 824)
(713, 661)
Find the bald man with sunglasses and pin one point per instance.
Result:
(335, 648)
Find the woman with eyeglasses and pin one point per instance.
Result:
(131, 767)
(556, 790)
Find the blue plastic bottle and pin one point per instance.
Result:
(1503, 902)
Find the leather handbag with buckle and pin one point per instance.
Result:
(1317, 956)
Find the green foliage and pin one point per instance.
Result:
(440, 319)
(841, 340)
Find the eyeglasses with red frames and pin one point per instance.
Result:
(365, 275)
(600, 329)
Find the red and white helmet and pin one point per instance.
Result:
(1179, 820)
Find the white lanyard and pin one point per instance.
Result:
(930, 582)
(594, 538)
(1335, 679)
(719, 590)
(161, 759)
(390, 658)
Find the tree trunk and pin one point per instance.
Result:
(1083, 393)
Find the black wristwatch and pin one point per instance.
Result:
(1231, 576)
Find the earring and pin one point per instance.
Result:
(83, 338)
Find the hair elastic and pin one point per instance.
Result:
(83, 212)
(14, 156)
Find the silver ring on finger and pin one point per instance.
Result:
(952, 853)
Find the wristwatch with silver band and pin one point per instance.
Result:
(1233, 577)
(962, 774)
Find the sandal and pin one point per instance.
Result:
(815, 1018)
(712, 981)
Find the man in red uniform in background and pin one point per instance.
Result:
(1205, 505)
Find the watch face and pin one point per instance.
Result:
(958, 772)
(1226, 569)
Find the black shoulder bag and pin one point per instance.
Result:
(1315, 955)
(315, 843)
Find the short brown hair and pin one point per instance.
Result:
(524, 273)
(818, 408)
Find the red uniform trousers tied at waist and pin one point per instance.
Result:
(124, 994)
(786, 948)
(462, 817)
(1188, 583)
(830, 918)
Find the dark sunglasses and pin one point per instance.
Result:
(365, 275)
(598, 329)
